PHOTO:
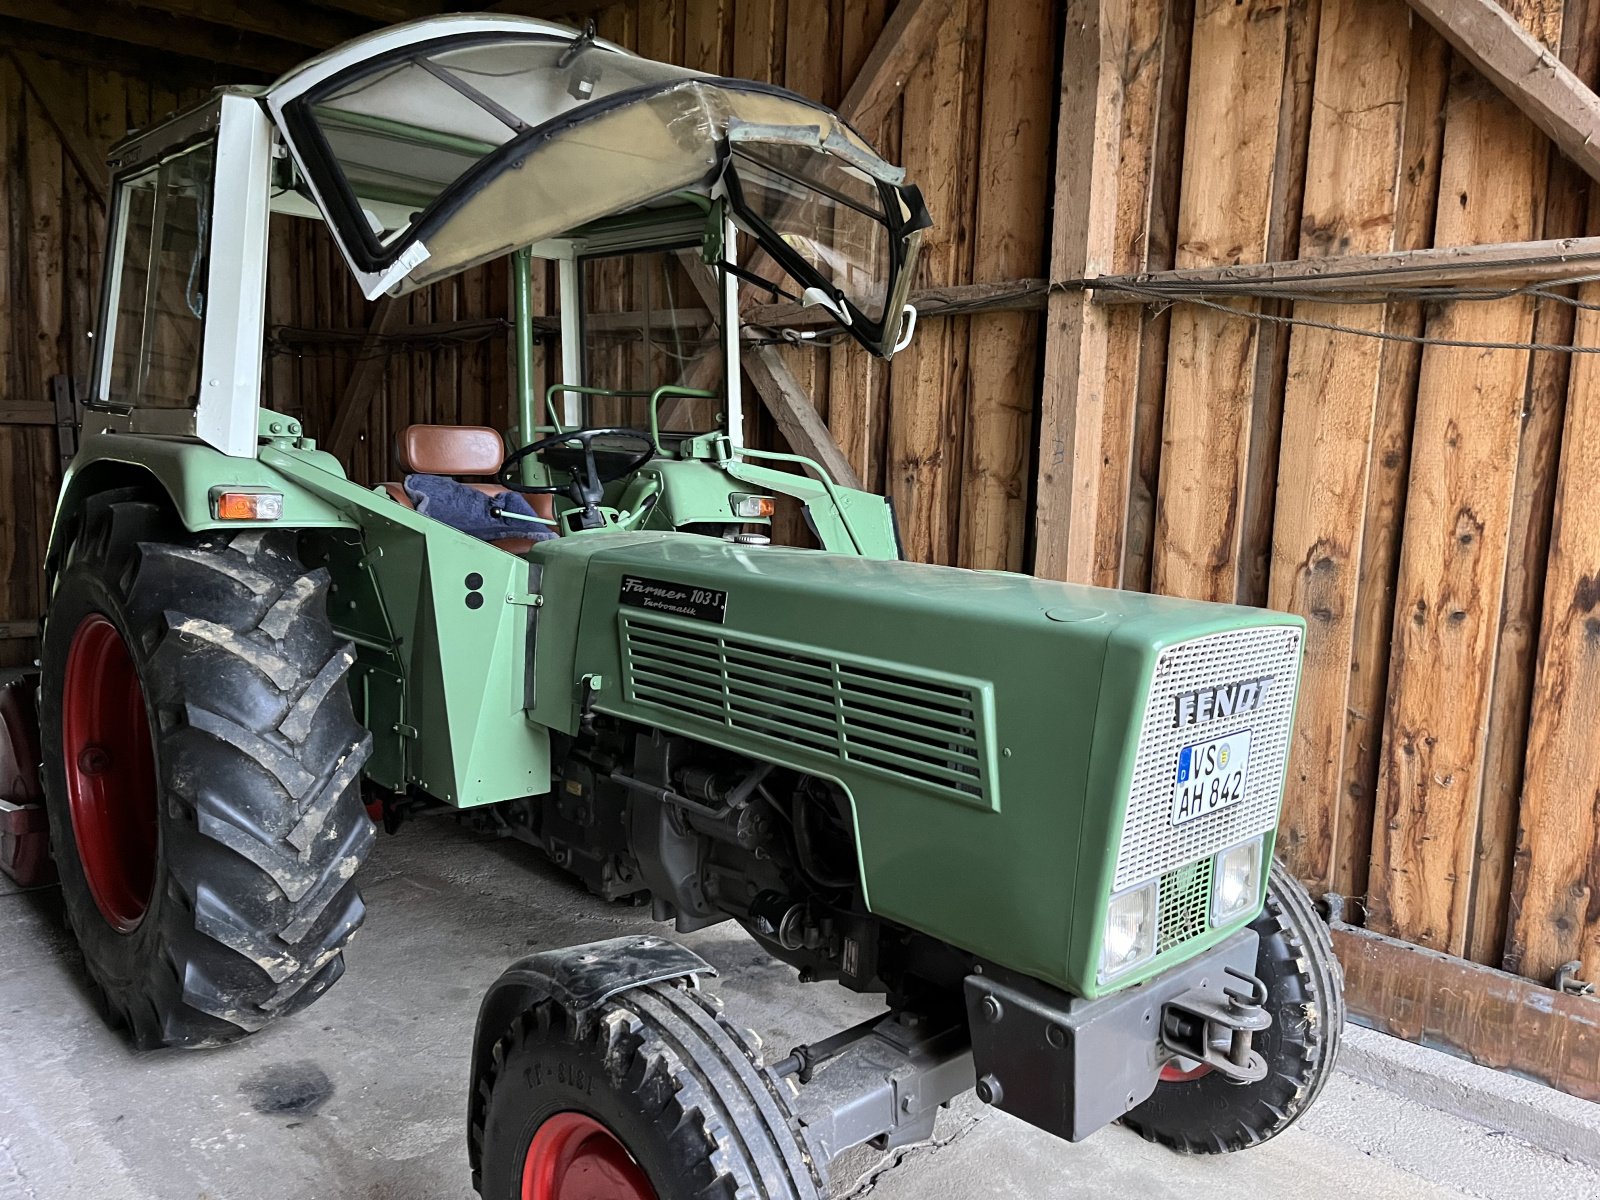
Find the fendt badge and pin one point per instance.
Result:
(1229, 700)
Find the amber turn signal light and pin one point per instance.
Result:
(246, 506)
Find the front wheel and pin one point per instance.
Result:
(654, 1096)
(201, 770)
(1201, 1112)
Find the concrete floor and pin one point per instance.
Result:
(363, 1096)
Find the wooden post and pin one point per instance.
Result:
(1452, 567)
(1013, 167)
(366, 378)
(1331, 390)
(928, 381)
(1555, 902)
(1083, 243)
(1567, 211)
(1389, 465)
(1230, 156)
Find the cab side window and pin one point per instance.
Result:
(156, 310)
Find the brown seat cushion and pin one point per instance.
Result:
(450, 450)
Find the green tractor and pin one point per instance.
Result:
(1038, 819)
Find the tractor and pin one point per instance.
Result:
(1038, 819)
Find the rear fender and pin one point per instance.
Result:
(186, 473)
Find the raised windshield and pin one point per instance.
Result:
(826, 212)
(433, 147)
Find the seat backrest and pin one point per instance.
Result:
(450, 450)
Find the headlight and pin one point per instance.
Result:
(1130, 933)
(1236, 881)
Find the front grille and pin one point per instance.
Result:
(1151, 845)
(931, 731)
(1185, 904)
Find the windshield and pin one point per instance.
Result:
(825, 211)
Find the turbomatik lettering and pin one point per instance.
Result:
(1226, 700)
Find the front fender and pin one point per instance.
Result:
(580, 979)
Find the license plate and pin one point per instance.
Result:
(1211, 776)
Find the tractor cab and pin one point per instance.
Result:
(650, 211)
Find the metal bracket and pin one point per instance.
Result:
(1193, 1023)
(1567, 980)
(881, 1082)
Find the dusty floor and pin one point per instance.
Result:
(363, 1095)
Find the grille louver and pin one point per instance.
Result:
(931, 731)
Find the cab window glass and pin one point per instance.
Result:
(646, 325)
(158, 308)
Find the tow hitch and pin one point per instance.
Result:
(1216, 1028)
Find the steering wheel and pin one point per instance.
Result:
(586, 486)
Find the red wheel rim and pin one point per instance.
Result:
(111, 772)
(575, 1157)
(1172, 1073)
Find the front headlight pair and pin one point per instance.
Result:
(1133, 917)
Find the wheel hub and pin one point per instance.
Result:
(110, 768)
(575, 1157)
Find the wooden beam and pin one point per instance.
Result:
(1009, 239)
(366, 379)
(1471, 1011)
(387, 12)
(1389, 467)
(1236, 93)
(1555, 902)
(1083, 240)
(796, 416)
(153, 30)
(1567, 210)
(1451, 582)
(286, 20)
(62, 103)
(1525, 71)
(177, 70)
(568, 11)
(1014, 295)
(906, 40)
(1330, 394)
(1491, 265)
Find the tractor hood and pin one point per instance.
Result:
(433, 146)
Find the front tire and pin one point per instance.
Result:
(202, 768)
(1203, 1113)
(653, 1096)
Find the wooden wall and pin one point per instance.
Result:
(1430, 510)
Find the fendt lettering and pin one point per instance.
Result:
(1227, 700)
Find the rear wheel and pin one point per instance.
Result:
(201, 768)
(651, 1097)
(1197, 1111)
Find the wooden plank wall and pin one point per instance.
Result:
(1431, 512)
(52, 223)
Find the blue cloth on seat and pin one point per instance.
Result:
(471, 511)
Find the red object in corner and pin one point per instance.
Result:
(24, 830)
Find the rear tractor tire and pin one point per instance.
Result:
(202, 772)
(1201, 1112)
(652, 1096)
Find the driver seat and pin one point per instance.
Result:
(474, 451)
